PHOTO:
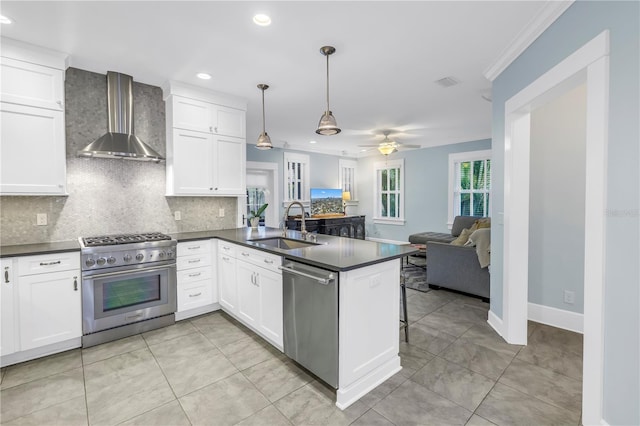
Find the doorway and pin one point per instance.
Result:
(262, 187)
(589, 65)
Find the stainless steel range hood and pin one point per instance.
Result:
(119, 141)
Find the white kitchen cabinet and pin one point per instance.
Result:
(270, 320)
(49, 299)
(197, 285)
(248, 294)
(227, 283)
(205, 142)
(7, 305)
(33, 158)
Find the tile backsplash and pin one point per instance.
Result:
(108, 196)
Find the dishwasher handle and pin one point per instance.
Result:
(321, 280)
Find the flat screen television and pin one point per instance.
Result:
(325, 201)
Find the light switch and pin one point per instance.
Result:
(41, 219)
(177, 215)
(221, 212)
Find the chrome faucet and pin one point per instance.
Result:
(303, 228)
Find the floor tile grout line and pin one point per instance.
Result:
(41, 377)
(547, 368)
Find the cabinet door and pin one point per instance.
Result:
(33, 150)
(191, 167)
(248, 294)
(194, 294)
(7, 291)
(229, 166)
(190, 114)
(228, 121)
(33, 85)
(270, 323)
(227, 282)
(50, 308)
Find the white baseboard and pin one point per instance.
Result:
(382, 240)
(495, 323)
(555, 317)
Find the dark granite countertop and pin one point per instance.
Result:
(39, 248)
(333, 253)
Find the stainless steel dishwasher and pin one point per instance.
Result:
(311, 319)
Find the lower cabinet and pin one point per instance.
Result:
(41, 305)
(251, 289)
(197, 285)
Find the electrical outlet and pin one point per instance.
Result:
(569, 297)
(177, 215)
(41, 219)
(221, 212)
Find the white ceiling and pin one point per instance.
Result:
(388, 56)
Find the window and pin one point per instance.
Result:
(389, 192)
(469, 184)
(348, 173)
(296, 177)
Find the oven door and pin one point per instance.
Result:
(118, 298)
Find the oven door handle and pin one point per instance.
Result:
(129, 271)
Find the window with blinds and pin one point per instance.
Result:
(348, 175)
(389, 192)
(469, 184)
(296, 177)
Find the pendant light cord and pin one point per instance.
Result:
(328, 84)
(263, 125)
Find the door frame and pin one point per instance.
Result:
(589, 64)
(272, 214)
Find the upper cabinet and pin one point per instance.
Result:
(205, 142)
(33, 156)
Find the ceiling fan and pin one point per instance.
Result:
(389, 146)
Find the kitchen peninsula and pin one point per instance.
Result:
(367, 282)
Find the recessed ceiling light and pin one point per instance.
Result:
(262, 20)
(5, 20)
(312, 141)
(204, 76)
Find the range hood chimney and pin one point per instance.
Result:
(119, 141)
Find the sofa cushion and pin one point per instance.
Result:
(423, 237)
(463, 237)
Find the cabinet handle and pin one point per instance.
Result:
(210, 189)
(197, 274)
(6, 275)
(215, 129)
(193, 261)
(257, 280)
(211, 129)
(226, 248)
(268, 262)
(57, 262)
(226, 259)
(59, 102)
(195, 295)
(245, 254)
(193, 248)
(75, 283)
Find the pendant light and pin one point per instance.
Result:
(327, 125)
(264, 141)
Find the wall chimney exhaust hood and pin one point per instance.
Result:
(119, 141)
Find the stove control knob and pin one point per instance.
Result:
(161, 255)
(111, 260)
(101, 261)
(169, 254)
(139, 256)
(90, 262)
(127, 258)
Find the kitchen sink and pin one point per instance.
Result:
(283, 243)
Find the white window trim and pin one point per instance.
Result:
(457, 158)
(381, 165)
(351, 164)
(297, 158)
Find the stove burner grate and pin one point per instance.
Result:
(108, 240)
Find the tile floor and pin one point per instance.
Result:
(211, 370)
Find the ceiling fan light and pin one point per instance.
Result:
(387, 148)
(264, 141)
(327, 125)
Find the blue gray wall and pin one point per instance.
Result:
(583, 21)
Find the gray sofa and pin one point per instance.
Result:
(453, 267)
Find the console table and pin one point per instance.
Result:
(341, 226)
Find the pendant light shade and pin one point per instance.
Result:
(264, 141)
(327, 125)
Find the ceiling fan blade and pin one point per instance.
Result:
(402, 145)
(369, 146)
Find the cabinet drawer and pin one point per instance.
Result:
(194, 247)
(197, 274)
(194, 295)
(227, 249)
(30, 84)
(259, 258)
(195, 261)
(30, 265)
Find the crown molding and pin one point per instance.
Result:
(538, 24)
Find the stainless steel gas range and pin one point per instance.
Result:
(128, 285)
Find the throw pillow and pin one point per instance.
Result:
(462, 238)
(483, 223)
